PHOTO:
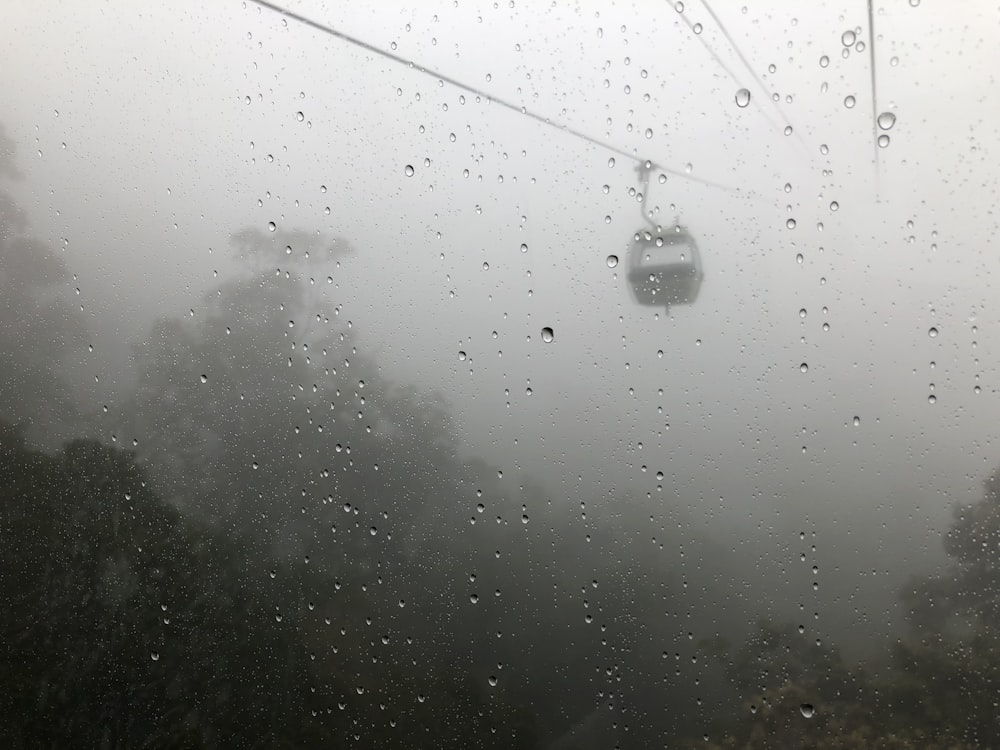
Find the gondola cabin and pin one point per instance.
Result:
(664, 268)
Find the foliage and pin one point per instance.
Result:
(939, 690)
(260, 414)
(38, 326)
(128, 626)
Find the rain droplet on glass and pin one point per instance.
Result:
(886, 120)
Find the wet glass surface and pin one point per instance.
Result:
(499, 375)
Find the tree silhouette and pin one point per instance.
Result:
(38, 326)
(938, 688)
(954, 644)
(263, 405)
(125, 625)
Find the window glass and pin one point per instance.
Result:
(491, 374)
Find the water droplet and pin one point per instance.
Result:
(802, 313)
(612, 261)
(611, 161)
(932, 399)
(462, 356)
(154, 656)
(824, 61)
(834, 205)
(696, 28)
(799, 258)
(300, 116)
(547, 335)
(807, 710)
(743, 97)
(848, 38)
(804, 367)
(894, 61)
(474, 598)
(849, 101)
(886, 120)
(271, 226)
(788, 130)
(790, 223)
(492, 680)
(932, 331)
(204, 378)
(883, 140)
(857, 421)
(408, 170)
(524, 248)
(649, 132)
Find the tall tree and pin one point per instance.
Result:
(125, 625)
(38, 325)
(951, 658)
(262, 404)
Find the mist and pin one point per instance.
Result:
(372, 330)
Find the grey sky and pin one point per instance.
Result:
(180, 123)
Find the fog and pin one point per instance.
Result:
(791, 445)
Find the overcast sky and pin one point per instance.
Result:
(148, 133)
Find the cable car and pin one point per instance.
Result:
(664, 266)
